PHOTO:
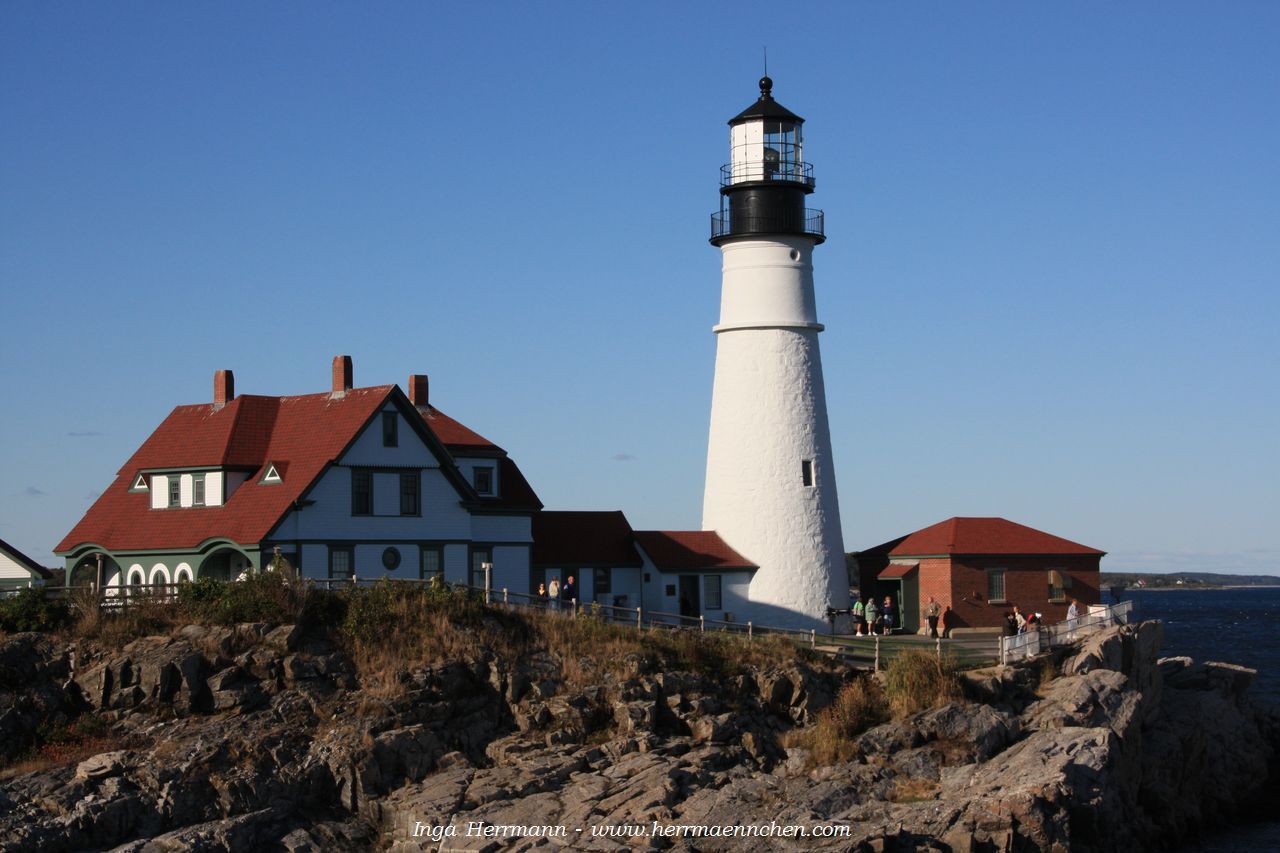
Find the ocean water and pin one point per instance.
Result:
(1235, 626)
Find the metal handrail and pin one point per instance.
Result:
(793, 171)
(723, 224)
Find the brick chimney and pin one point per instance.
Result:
(341, 375)
(418, 390)
(224, 388)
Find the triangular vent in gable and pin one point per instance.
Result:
(272, 475)
(139, 484)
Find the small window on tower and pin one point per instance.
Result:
(806, 472)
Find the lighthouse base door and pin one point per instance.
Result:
(690, 597)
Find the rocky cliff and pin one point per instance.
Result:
(260, 737)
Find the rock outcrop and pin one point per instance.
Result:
(258, 737)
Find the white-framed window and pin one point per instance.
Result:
(432, 563)
(711, 593)
(482, 479)
(390, 429)
(479, 556)
(341, 562)
(197, 489)
(175, 491)
(995, 585)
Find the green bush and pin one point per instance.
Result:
(29, 610)
(260, 597)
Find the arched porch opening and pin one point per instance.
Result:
(224, 563)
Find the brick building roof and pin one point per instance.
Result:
(961, 535)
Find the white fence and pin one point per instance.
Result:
(1031, 643)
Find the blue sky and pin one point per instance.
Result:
(1049, 285)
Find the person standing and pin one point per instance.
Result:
(931, 613)
(553, 593)
(569, 593)
(542, 595)
(873, 616)
(859, 616)
(888, 616)
(1073, 616)
(1019, 619)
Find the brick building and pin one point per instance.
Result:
(981, 568)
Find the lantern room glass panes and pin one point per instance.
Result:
(765, 151)
(782, 156)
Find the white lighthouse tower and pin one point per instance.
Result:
(771, 485)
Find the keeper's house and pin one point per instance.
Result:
(981, 568)
(356, 481)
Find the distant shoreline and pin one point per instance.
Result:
(1189, 587)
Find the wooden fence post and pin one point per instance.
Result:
(749, 635)
(639, 620)
(875, 667)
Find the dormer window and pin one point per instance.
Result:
(139, 484)
(482, 479)
(175, 491)
(197, 490)
(271, 476)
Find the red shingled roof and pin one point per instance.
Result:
(305, 432)
(299, 435)
(597, 539)
(898, 570)
(453, 435)
(690, 549)
(985, 536)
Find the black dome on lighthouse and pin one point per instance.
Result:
(766, 107)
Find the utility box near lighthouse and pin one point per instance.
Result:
(771, 486)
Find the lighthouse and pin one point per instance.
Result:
(771, 485)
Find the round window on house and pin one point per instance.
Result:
(391, 559)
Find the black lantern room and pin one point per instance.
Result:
(763, 187)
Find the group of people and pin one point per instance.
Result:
(555, 594)
(1017, 622)
(870, 619)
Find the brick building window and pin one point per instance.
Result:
(995, 585)
(1059, 583)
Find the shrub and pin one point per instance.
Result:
(859, 706)
(260, 597)
(916, 681)
(29, 610)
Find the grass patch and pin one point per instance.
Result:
(63, 744)
(916, 681)
(860, 705)
(914, 791)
